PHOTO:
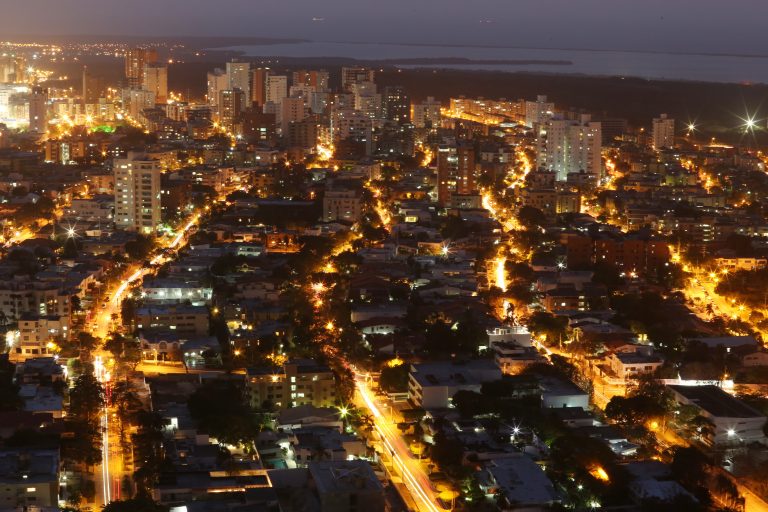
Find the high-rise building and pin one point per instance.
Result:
(259, 86)
(38, 110)
(135, 60)
(455, 171)
(277, 89)
(239, 74)
(92, 87)
(217, 81)
(427, 113)
(155, 80)
(564, 146)
(537, 112)
(353, 75)
(317, 79)
(138, 100)
(230, 107)
(396, 104)
(367, 100)
(663, 132)
(137, 193)
(291, 110)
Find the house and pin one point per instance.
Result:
(629, 365)
(323, 443)
(309, 416)
(512, 358)
(733, 421)
(346, 486)
(520, 483)
(755, 359)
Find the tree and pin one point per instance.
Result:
(9, 391)
(394, 379)
(82, 444)
(554, 328)
(138, 504)
(447, 452)
(86, 398)
(140, 248)
(219, 409)
(147, 445)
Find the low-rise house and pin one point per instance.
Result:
(520, 483)
(305, 416)
(323, 443)
(512, 358)
(631, 365)
(345, 486)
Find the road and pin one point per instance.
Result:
(409, 468)
(110, 471)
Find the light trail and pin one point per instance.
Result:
(501, 273)
(418, 484)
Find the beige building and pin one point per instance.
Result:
(180, 319)
(341, 205)
(300, 382)
(137, 193)
(156, 81)
(36, 335)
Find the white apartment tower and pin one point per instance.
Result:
(564, 146)
(427, 113)
(277, 89)
(537, 112)
(663, 132)
(137, 193)
(217, 81)
(239, 74)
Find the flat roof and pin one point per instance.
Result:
(717, 402)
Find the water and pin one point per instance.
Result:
(667, 66)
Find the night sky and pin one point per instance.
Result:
(728, 26)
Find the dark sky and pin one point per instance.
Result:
(728, 26)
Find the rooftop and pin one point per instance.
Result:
(716, 402)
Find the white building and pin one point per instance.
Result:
(565, 146)
(36, 336)
(630, 365)
(175, 291)
(663, 132)
(239, 74)
(218, 81)
(427, 113)
(433, 385)
(734, 422)
(137, 193)
(341, 205)
(537, 112)
(277, 89)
